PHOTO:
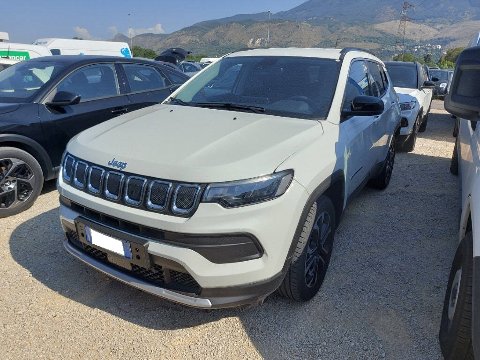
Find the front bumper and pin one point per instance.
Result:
(411, 117)
(220, 283)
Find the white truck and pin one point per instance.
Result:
(58, 46)
(460, 326)
(19, 52)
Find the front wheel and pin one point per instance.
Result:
(456, 326)
(21, 180)
(382, 180)
(312, 253)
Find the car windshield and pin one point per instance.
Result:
(22, 81)
(441, 75)
(276, 85)
(403, 76)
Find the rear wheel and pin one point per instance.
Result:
(456, 326)
(312, 254)
(21, 180)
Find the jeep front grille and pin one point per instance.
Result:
(166, 197)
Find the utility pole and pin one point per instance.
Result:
(130, 31)
(402, 27)
(268, 27)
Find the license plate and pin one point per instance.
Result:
(116, 246)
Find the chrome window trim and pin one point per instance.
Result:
(178, 211)
(90, 188)
(109, 195)
(77, 183)
(142, 196)
(65, 177)
(152, 206)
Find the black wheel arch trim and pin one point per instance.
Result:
(337, 178)
(476, 307)
(34, 149)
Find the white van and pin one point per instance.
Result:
(85, 47)
(20, 52)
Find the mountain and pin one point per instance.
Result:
(371, 24)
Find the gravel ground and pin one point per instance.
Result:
(382, 297)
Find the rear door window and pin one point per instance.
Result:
(144, 78)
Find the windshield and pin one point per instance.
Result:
(403, 76)
(284, 86)
(441, 75)
(22, 81)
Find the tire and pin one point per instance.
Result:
(454, 161)
(456, 326)
(21, 181)
(382, 180)
(312, 254)
(423, 126)
(409, 145)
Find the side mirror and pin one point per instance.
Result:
(365, 106)
(464, 98)
(428, 85)
(64, 98)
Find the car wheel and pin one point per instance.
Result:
(383, 179)
(21, 180)
(423, 126)
(454, 161)
(312, 254)
(456, 326)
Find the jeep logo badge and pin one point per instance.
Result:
(117, 164)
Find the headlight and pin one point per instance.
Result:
(247, 192)
(408, 105)
(443, 85)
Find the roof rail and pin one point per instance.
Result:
(346, 50)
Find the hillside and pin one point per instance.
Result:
(371, 24)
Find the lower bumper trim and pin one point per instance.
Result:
(139, 284)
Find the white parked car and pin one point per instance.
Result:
(460, 327)
(216, 199)
(415, 91)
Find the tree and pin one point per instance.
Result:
(404, 57)
(138, 51)
(452, 54)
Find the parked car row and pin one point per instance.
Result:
(232, 185)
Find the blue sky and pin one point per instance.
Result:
(28, 20)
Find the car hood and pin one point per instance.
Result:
(195, 144)
(6, 108)
(407, 94)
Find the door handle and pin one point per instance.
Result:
(118, 111)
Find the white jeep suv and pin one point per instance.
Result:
(460, 327)
(415, 91)
(234, 186)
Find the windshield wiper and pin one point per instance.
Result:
(176, 101)
(231, 106)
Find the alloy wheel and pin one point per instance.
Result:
(318, 247)
(17, 181)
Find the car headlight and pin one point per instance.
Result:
(408, 105)
(247, 192)
(443, 85)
